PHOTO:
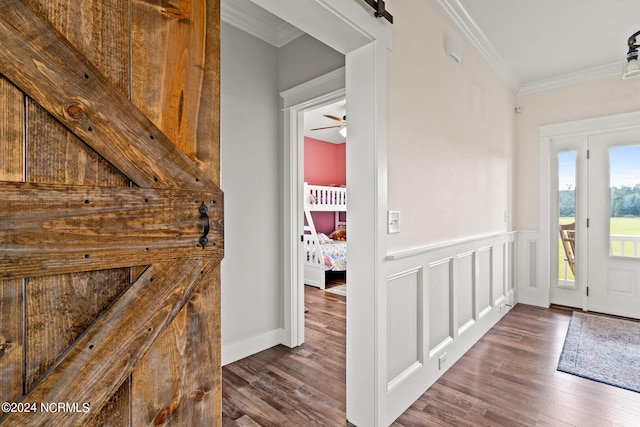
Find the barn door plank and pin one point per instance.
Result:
(11, 341)
(99, 29)
(169, 40)
(56, 156)
(38, 60)
(12, 325)
(168, 47)
(60, 308)
(11, 132)
(99, 361)
(53, 229)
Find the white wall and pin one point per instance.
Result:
(250, 156)
(451, 134)
(253, 73)
(451, 151)
(304, 59)
(596, 98)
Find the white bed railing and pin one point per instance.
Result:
(323, 198)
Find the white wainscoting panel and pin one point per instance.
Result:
(485, 280)
(533, 288)
(499, 266)
(458, 291)
(440, 282)
(404, 324)
(465, 296)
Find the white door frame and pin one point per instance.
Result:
(588, 127)
(324, 90)
(364, 40)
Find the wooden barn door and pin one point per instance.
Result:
(111, 219)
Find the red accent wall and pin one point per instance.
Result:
(324, 164)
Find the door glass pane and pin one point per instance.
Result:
(624, 181)
(566, 217)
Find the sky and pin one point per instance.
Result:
(624, 163)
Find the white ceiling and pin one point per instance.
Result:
(315, 119)
(545, 43)
(533, 45)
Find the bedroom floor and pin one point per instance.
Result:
(304, 386)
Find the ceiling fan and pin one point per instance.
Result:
(342, 120)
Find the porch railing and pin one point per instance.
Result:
(626, 246)
(619, 245)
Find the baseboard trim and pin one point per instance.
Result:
(249, 346)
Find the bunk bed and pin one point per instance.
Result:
(321, 252)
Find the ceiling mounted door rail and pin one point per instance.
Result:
(381, 11)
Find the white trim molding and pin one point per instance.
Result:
(240, 349)
(571, 78)
(318, 92)
(467, 25)
(256, 21)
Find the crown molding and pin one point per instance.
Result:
(258, 22)
(467, 25)
(572, 78)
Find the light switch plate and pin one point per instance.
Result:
(393, 222)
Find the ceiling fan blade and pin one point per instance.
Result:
(329, 127)
(335, 118)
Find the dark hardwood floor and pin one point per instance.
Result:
(508, 378)
(304, 386)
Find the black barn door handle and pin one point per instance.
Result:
(205, 221)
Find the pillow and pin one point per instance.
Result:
(322, 239)
(339, 235)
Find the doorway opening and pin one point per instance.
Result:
(324, 181)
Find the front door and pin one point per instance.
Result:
(613, 263)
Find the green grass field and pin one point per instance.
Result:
(621, 226)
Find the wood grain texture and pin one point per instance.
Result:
(100, 29)
(176, 83)
(12, 325)
(11, 340)
(169, 39)
(54, 229)
(41, 62)
(12, 118)
(55, 155)
(116, 412)
(100, 360)
(60, 308)
(207, 150)
(101, 32)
